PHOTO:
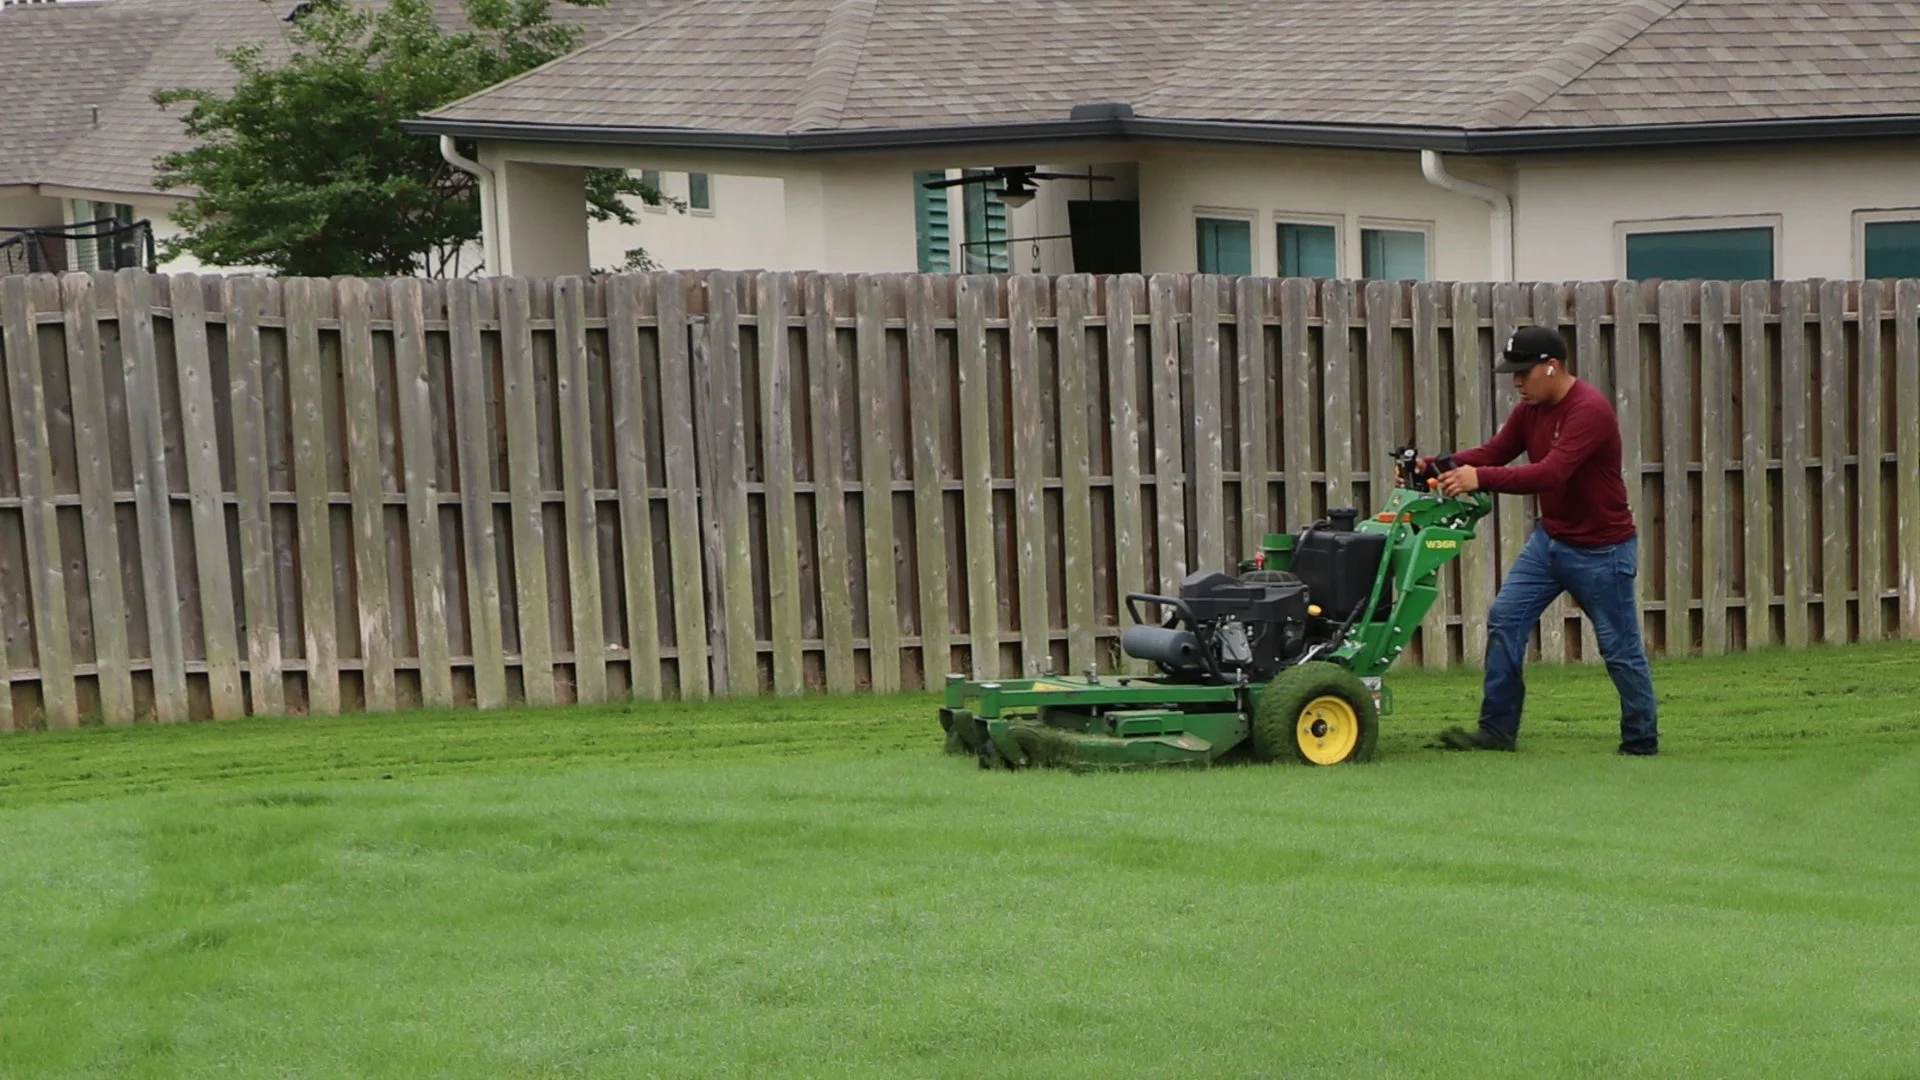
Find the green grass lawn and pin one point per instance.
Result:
(812, 889)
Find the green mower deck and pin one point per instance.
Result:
(1116, 722)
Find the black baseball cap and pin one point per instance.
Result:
(1531, 345)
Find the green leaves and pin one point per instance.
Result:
(302, 167)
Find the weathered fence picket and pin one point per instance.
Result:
(246, 495)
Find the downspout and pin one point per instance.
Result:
(1436, 173)
(489, 226)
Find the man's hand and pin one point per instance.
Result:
(1460, 481)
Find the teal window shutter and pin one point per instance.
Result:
(1393, 254)
(1308, 251)
(1893, 249)
(986, 228)
(1711, 254)
(1225, 245)
(931, 231)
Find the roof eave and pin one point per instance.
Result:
(1328, 136)
(859, 139)
(1721, 132)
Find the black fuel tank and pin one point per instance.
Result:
(1338, 567)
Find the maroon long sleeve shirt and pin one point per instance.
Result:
(1573, 450)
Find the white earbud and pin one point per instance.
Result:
(1551, 369)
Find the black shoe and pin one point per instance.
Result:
(1456, 738)
(1637, 751)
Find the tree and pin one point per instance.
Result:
(303, 168)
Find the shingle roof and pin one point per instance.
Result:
(70, 57)
(793, 66)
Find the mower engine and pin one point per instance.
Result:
(1223, 628)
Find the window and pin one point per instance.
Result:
(1393, 254)
(1892, 249)
(1714, 254)
(699, 191)
(651, 178)
(932, 232)
(1308, 250)
(1225, 245)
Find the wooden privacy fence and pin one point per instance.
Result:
(231, 495)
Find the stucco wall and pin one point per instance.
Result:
(543, 219)
(1349, 190)
(745, 229)
(1570, 212)
(28, 210)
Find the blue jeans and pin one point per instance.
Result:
(1601, 580)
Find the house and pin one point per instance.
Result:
(81, 132)
(1450, 139)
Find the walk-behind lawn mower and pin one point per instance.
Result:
(1282, 663)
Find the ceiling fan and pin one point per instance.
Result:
(1016, 182)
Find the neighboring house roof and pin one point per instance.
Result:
(63, 59)
(1466, 74)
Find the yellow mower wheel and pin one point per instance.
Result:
(1315, 714)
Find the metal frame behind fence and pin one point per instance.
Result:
(22, 251)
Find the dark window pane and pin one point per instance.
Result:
(1893, 249)
(1712, 254)
(1308, 251)
(1226, 246)
(1393, 254)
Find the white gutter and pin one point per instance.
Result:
(1436, 173)
(489, 226)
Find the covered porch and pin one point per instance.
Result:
(1134, 207)
(837, 213)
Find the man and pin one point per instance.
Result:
(1585, 544)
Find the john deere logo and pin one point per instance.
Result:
(1442, 545)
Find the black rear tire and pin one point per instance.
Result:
(1315, 714)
